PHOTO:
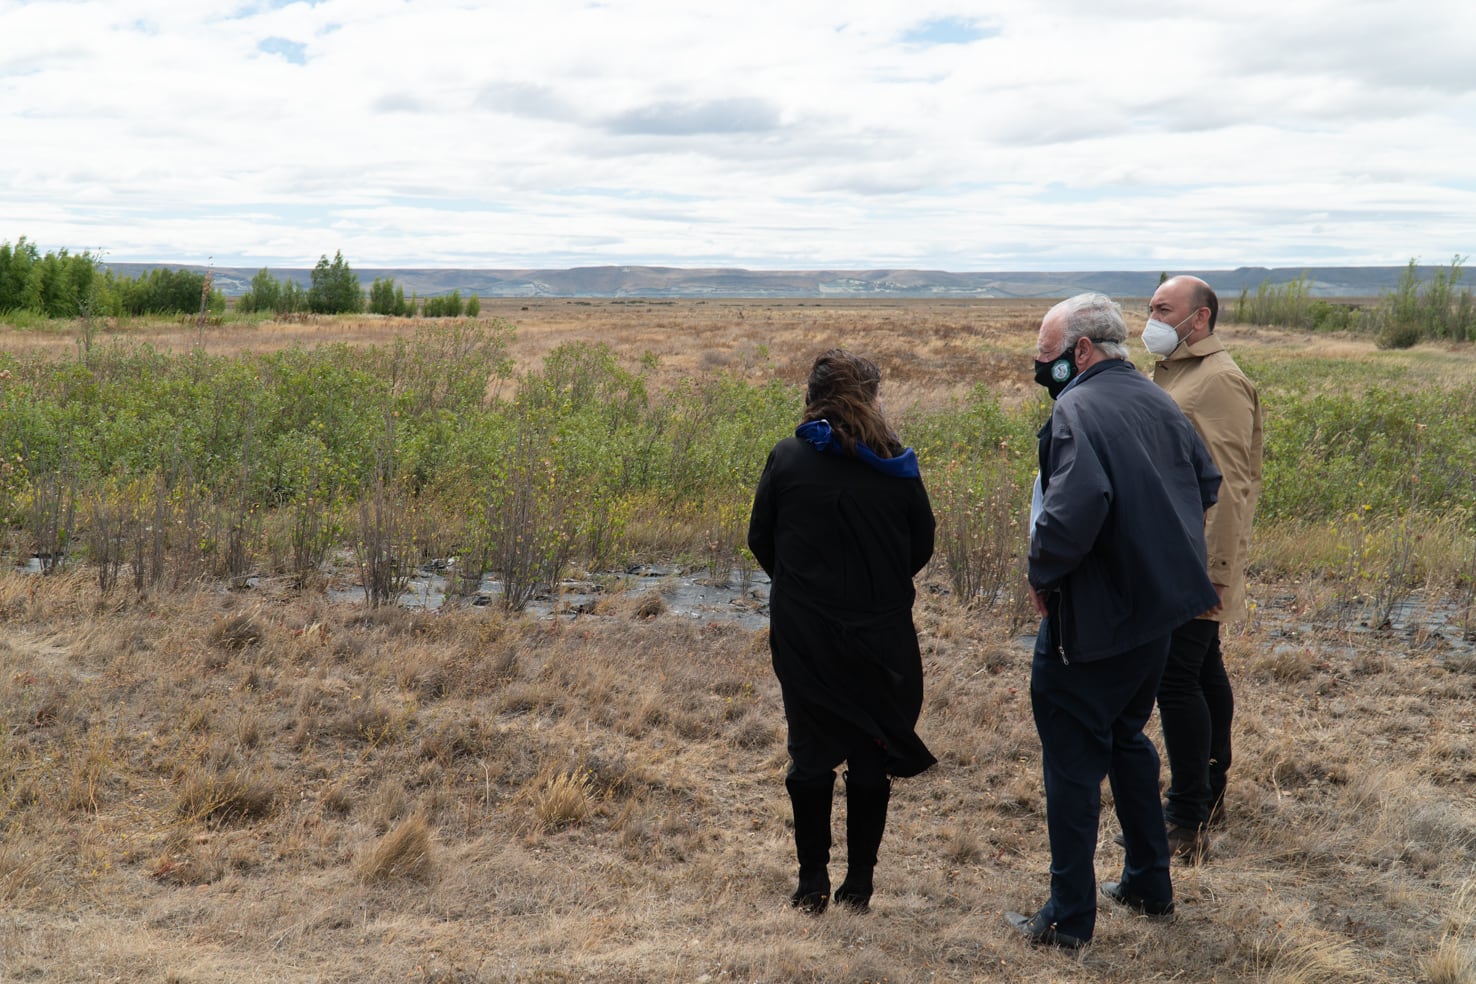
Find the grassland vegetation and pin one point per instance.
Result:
(213, 769)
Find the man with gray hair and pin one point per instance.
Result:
(1117, 562)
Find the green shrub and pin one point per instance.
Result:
(1420, 309)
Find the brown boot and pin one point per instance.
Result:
(1189, 843)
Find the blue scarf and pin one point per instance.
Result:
(820, 436)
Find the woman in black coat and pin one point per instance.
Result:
(841, 522)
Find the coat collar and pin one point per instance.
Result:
(1208, 345)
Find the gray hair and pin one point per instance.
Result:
(1098, 317)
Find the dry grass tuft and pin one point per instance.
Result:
(562, 800)
(402, 854)
(649, 605)
(1453, 963)
(236, 632)
(194, 863)
(20, 870)
(1316, 962)
(230, 796)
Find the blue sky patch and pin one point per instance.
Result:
(948, 30)
(293, 51)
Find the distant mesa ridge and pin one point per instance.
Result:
(652, 281)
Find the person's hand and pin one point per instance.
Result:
(1220, 607)
(1035, 599)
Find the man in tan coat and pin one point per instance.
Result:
(1195, 702)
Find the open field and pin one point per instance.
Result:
(204, 784)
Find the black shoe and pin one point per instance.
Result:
(810, 902)
(1140, 905)
(1041, 933)
(853, 898)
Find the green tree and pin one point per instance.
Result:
(57, 285)
(446, 306)
(162, 291)
(293, 298)
(473, 306)
(15, 272)
(335, 287)
(386, 298)
(265, 293)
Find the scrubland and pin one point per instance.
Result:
(220, 770)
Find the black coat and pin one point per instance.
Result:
(841, 542)
(1118, 550)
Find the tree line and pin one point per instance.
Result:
(61, 284)
(70, 285)
(1417, 309)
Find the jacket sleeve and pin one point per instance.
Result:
(1228, 413)
(922, 526)
(1077, 499)
(761, 519)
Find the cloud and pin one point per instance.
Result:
(675, 119)
(528, 99)
(1074, 133)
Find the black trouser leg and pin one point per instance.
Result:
(1221, 702)
(811, 802)
(866, 819)
(1188, 726)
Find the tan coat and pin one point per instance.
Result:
(1222, 404)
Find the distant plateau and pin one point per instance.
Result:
(677, 282)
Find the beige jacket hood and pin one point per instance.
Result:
(1222, 403)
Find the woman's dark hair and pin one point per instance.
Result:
(842, 389)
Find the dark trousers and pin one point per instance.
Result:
(1195, 708)
(1090, 717)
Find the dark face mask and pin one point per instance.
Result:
(1055, 374)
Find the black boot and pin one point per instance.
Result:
(866, 818)
(811, 802)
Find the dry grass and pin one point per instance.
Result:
(196, 787)
(403, 853)
(601, 799)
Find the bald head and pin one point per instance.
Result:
(1183, 298)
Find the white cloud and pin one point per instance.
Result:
(945, 134)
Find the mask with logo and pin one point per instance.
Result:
(1162, 339)
(1055, 374)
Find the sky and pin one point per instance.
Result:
(802, 135)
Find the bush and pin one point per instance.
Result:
(386, 298)
(446, 306)
(1421, 309)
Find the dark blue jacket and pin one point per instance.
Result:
(1118, 550)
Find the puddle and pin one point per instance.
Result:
(693, 594)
